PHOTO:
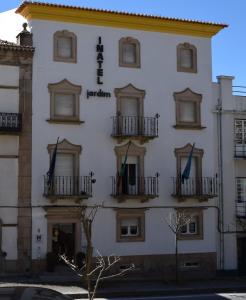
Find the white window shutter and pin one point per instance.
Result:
(64, 105)
(64, 165)
(186, 58)
(64, 47)
(129, 53)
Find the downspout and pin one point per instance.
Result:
(220, 176)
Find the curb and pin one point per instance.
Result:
(156, 293)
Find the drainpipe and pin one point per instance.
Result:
(220, 177)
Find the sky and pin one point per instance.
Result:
(228, 47)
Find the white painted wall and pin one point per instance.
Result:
(9, 242)
(159, 78)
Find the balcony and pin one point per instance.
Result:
(140, 188)
(241, 209)
(199, 188)
(10, 123)
(141, 128)
(68, 187)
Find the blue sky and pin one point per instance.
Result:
(229, 46)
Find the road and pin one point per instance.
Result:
(221, 296)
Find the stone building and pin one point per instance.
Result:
(15, 153)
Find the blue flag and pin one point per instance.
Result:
(186, 172)
(51, 171)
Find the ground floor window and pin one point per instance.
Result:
(130, 225)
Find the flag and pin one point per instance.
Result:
(186, 172)
(51, 171)
(121, 173)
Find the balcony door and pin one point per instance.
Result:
(130, 180)
(190, 185)
(65, 182)
(129, 116)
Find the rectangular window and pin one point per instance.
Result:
(129, 53)
(240, 137)
(64, 47)
(186, 58)
(193, 224)
(130, 225)
(64, 105)
(187, 112)
(241, 189)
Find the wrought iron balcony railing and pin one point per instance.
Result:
(68, 186)
(241, 209)
(198, 187)
(135, 187)
(10, 122)
(135, 126)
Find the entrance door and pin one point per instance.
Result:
(241, 248)
(130, 181)
(63, 240)
(130, 116)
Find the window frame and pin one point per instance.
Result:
(187, 96)
(123, 214)
(65, 34)
(65, 147)
(196, 212)
(64, 87)
(186, 46)
(129, 40)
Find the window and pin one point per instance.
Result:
(130, 225)
(188, 109)
(193, 229)
(241, 189)
(65, 46)
(129, 53)
(132, 182)
(66, 180)
(186, 58)
(64, 101)
(240, 137)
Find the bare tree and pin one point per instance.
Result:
(96, 269)
(175, 222)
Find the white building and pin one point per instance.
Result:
(231, 120)
(100, 80)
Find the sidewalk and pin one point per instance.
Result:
(132, 288)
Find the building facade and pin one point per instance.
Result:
(15, 153)
(125, 99)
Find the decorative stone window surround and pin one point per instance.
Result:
(133, 150)
(196, 212)
(65, 147)
(184, 152)
(193, 50)
(188, 96)
(135, 42)
(64, 87)
(129, 91)
(65, 34)
(122, 214)
(64, 215)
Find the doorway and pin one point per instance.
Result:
(241, 248)
(63, 240)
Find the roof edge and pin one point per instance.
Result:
(99, 17)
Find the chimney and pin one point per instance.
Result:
(24, 38)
